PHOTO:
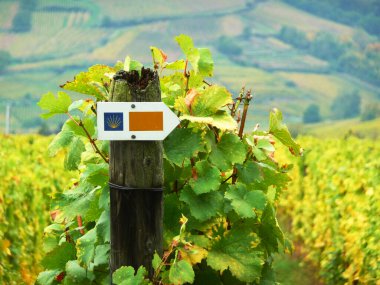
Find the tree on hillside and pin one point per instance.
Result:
(370, 112)
(22, 21)
(228, 45)
(5, 59)
(294, 37)
(346, 105)
(326, 46)
(311, 114)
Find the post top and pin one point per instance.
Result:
(133, 77)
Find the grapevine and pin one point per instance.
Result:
(29, 177)
(334, 207)
(221, 184)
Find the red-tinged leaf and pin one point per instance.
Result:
(80, 224)
(54, 214)
(60, 276)
(190, 97)
(194, 173)
(164, 55)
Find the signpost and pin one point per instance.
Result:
(135, 121)
(139, 121)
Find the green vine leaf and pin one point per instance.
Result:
(88, 123)
(194, 83)
(207, 179)
(181, 272)
(159, 57)
(58, 257)
(172, 87)
(156, 261)
(278, 129)
(203, 206)
(84, 81)
(68, 138)
(81, 200)
(205, 64)
(61, 140)
(223, 121)
(47, 277)
(74, 152)
(265, 145)
(206, 104)
(227, 152)
(193, 254)
(182, 144)
(130, 64)
(249, 172)
(246, 203)
(234, 251)
(76, 105)
(272, 177)
(270, 230)
(187, 46)
(75, 274)
(103, 229)
(86, 248)
(176, 65)
(55, 105)
(102, 255)
(126, 276)
(96, 174)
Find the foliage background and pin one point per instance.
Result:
(29, 179)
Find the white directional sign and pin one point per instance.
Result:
(139, 121)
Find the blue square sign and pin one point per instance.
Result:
(113, 121)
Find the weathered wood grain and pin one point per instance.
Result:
(136, 215)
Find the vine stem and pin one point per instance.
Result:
(67, 235)
(185, 69)
(187, 76)
(228, 178)
(162, 263)
(247, 98)
(92, 141)
(207, 83)
(234, 175)
(176, 189)
(155, 66)
(72, 118)
(236, 104)
(94, 110)
(80, 224)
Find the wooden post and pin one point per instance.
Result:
(136, 214)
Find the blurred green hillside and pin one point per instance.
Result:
(291, 58)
